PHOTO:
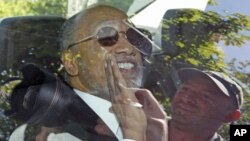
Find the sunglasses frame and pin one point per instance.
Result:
(130, 25)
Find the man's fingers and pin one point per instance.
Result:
(116, 72)
(110, 79)
(103, 130)
(151, 106)
(117, 83)
(145, 97)
(157, 129)
(126, 110)
(111, 110)
(99, 121)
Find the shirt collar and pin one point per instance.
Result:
(101, 108)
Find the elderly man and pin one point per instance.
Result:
(92, 41)
(204, 102)
(88, 40)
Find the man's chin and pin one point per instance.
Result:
(133, 83)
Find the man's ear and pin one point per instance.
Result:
(69, 63)
(235, 115)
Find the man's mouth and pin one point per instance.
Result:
(186, 108)
(129, 67)
(126, 65)
(126, 68)
(130, 70)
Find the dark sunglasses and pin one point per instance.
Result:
(108, 36)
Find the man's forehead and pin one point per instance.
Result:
(121, 23)
(88, 22)
(101, 13)
(205, 85)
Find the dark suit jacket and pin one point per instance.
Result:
(43, 99)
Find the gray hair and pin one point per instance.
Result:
(67, 32)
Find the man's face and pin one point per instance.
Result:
(198, 104)
(91, 56)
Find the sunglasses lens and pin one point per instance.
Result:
(107, 36)
(139, 41)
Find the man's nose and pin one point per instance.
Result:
(188, 97)
(124, 46)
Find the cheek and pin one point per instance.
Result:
(138, 58)
(93, 56)
(175, 100)
(92, 64)
(177, 96)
